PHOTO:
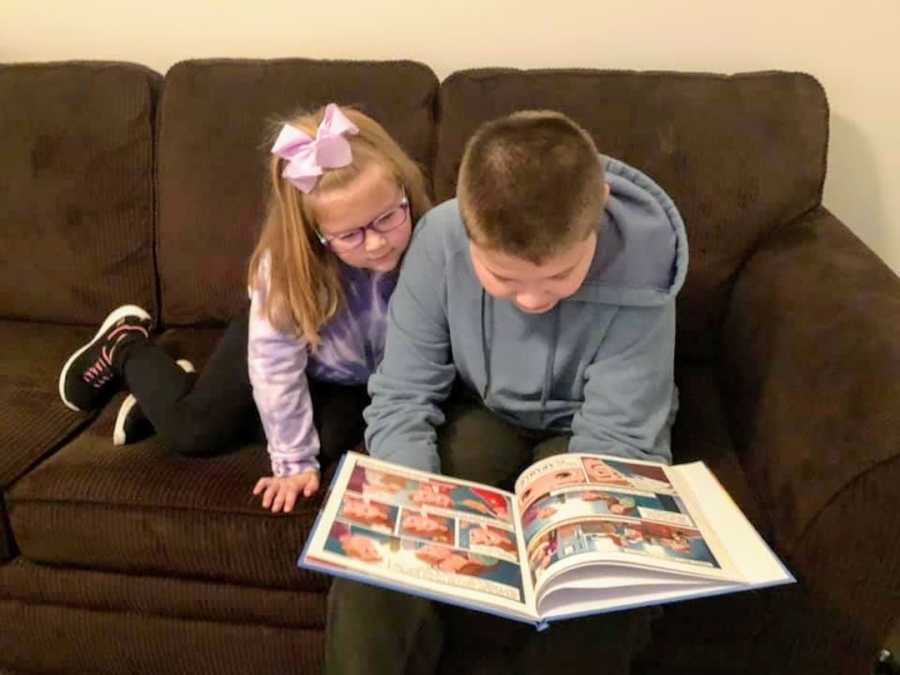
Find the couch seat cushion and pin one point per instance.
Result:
(32, 583)
(33, 420)
(140, 509)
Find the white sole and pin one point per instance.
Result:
(115, 315)
(129, 403)
(119, 429)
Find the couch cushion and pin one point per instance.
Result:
(728, 623)
(61, 639)
(702, 433)
(138, 509)
(215, 117)
(739, 155)
(31, 583)
(7, 546)
(33, 420)
(76, 199)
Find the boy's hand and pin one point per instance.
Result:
(281, 492)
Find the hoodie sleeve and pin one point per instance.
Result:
(277, 368)
(629, 396)
(415, 374)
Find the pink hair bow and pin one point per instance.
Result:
(306, 157)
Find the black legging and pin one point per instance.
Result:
(214, 412)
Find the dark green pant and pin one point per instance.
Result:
(375, 631)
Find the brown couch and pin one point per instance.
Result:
(117, 185)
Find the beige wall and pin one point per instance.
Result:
(852, 47)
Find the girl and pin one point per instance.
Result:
(343, 199)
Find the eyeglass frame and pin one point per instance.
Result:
(326, 240)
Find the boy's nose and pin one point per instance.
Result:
(531, 302)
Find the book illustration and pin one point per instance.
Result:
(373, 515)
(488, 540)
(425, 561)
(427, 526)
(433, 495)
(603, 535)
(616, 472)
(570, 503)
(548, 476)
(554, 473)
(543, 553)
(358, 543)
(677, 543)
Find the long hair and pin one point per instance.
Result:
(304, 283)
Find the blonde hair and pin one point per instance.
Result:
(531, 184)
(305, 289)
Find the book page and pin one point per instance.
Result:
(446, 538)
(577, 509)
(568, 603)
(729, 533)
(615, 586)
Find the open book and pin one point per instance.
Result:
(581, 534)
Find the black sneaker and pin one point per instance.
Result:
(88, 379)
(132, 424)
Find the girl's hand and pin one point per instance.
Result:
(281, 492)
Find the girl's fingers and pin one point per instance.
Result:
(311, 487)
(279, 499)
(271, 491)
(278, 494)
(290, 500)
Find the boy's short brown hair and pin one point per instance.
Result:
(530, 184)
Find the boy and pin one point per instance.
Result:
(547, 292)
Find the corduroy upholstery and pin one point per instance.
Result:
(133, 560)
(215, 117)
(76, 197)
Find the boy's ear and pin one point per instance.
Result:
(605, 192)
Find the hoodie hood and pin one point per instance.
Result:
(641, 259)
(642, 252)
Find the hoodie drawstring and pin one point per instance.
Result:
(548, 366)
(485, 349)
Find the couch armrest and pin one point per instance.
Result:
(811, 370)
(811, 366)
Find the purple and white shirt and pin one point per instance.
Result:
(351, 347)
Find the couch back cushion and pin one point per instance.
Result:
(215, 116)
(739, 155)
(76, 189)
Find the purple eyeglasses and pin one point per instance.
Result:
(387, 221)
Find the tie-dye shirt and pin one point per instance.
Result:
(351, 347)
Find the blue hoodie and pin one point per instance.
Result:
(598, 365)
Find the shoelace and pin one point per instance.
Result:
(101, 371)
